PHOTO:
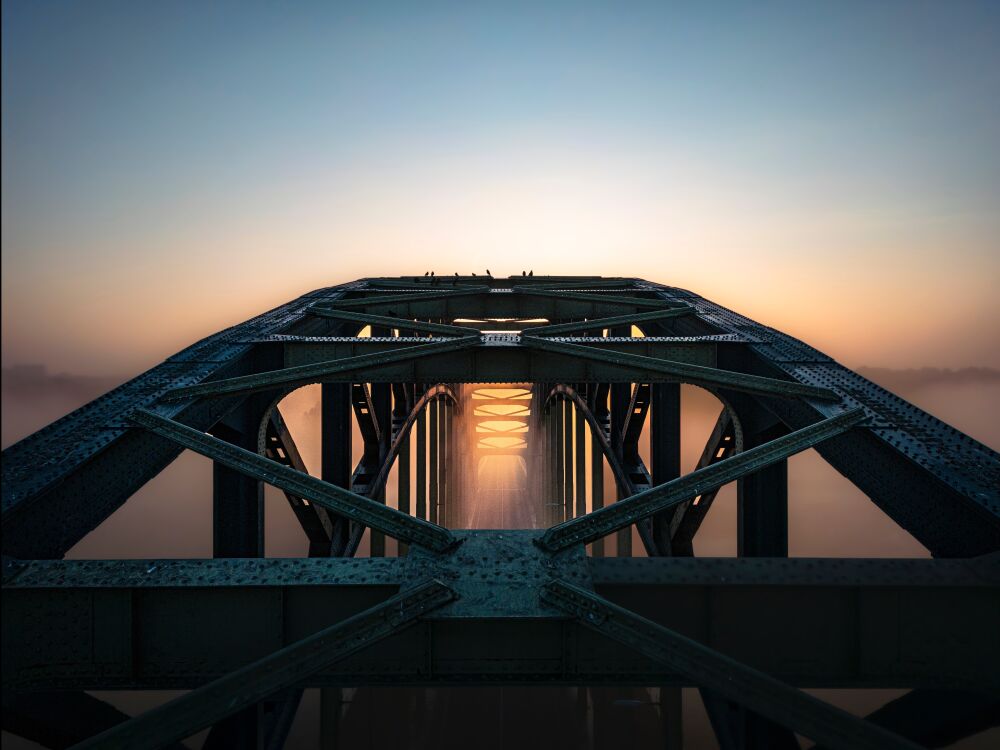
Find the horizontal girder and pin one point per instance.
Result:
(127, 624)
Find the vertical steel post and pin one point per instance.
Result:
(238, 531)
(762, 501)
(664, 450)
(568, 466)
(579, 456)
(446, 459)
(621, 397)
(596, 487)
(421, 458)
(665, 460)
(560, 461)
(330, 707)
(432, 471)
(336, 415)
(238, 500)
(403, 484)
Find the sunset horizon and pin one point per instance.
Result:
(500, 375)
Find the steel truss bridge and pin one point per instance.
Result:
(245, 634)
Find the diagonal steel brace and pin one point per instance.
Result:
(343, 502)
(711, 377)
(294, 377)
(706, 667)
(281, 669)
(604, 521)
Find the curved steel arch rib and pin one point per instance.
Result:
(437, 391)
(621, 477)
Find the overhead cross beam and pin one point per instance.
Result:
(444, 293)
(599, 324)
(294, 377)
(386, 321)
(624, 513)
(343, 502)
(695, 374)
(227, 695)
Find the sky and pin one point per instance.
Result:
(830, 169)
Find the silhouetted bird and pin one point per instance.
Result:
(432, 273)
(488, 273)
(531, 273)
(524, 273)
(427, 273)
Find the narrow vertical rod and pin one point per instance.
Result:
(568, 472)
(433, 439)
(579, 458)
(560, 463)
(596, 487)
(403, 484)
(421, 458)
(446, 459)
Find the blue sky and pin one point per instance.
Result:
(838, 158)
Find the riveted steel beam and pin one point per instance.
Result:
(386, 321)
(408, 298)
(636, 302)
(336, 499)
(204, 706)
(294, 377)
(644, 504)
(598, 324)
(708, 377)
(738, 682)
(122, 624)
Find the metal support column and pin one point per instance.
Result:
(762, 505)
(579, 456)
(665, 451)
(238, 500)
(433, 468)
(331, 701)
(559, 467)
(335, 446)
(382, 404)
(421, 459)
(446, 459)
(403, 480)
(621, 397)
(596, 487)
(568, 456)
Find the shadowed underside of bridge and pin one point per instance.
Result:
(495, 404)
